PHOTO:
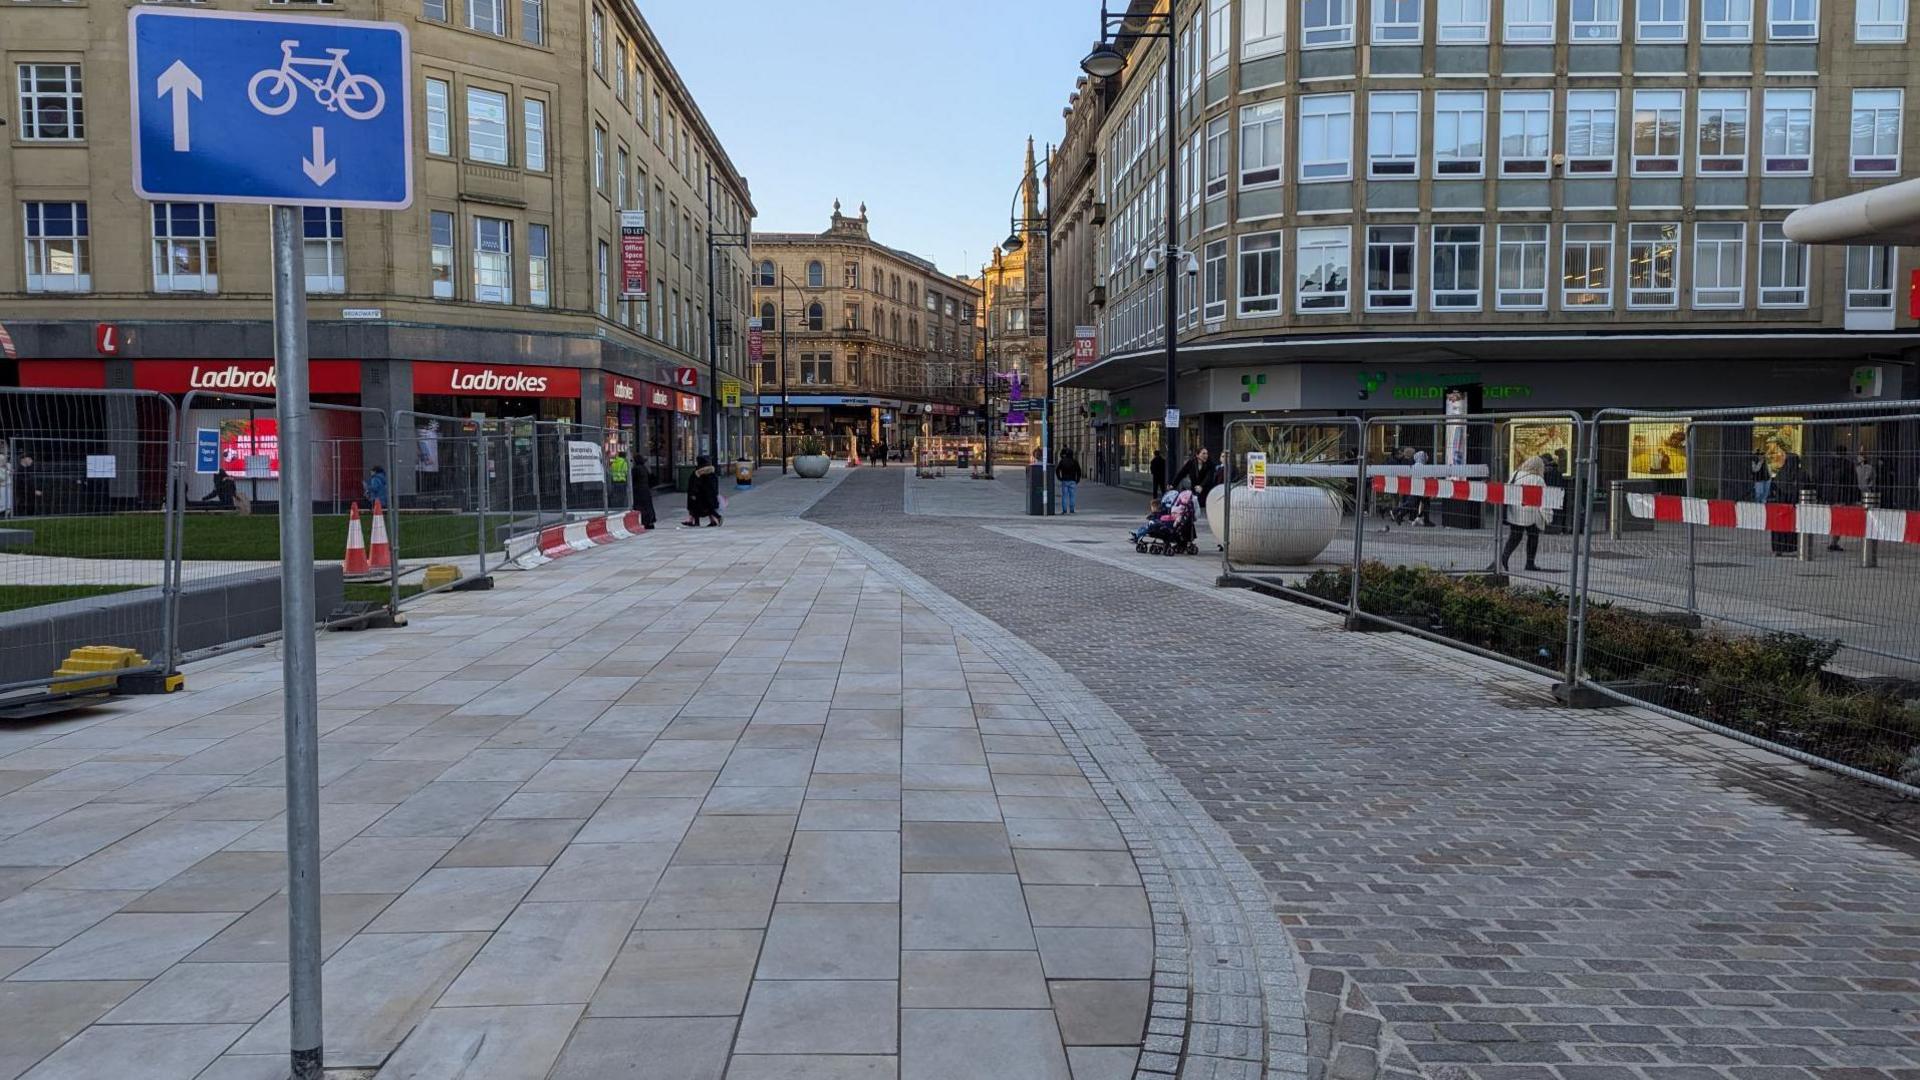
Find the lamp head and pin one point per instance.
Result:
(1104, 62)
(1014, 242)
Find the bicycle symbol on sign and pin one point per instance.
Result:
(275, 90)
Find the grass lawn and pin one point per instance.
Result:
(380, 594)
(222, 537)
(15, 597)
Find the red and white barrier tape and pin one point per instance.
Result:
(1479, 491)
(1893, 526)
(559, 541)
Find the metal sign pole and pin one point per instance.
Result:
(298, 667)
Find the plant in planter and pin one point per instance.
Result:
(1293, 519)
(812, 461)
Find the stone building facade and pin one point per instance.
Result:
(1014, 284)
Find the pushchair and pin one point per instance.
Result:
(1170, 532)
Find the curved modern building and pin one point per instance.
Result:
(1549, 204)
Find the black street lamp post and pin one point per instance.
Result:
(1016, 239)
(1104, 62)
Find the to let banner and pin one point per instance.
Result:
(633, 254)
(756, 340)
(1086, 345)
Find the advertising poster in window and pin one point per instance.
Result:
(633, 254)
(250, 448)
(1657, 450)
(427, 447)
(1776, 437)
(1548, 439)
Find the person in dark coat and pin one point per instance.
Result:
(1158, 470)
(1786, 489)
(1068, 473)
(643, 493)
(703, 494)
(1198, 469)
(1839, 485)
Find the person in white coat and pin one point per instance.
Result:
(1525, 522)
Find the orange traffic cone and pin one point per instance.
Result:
(379, 552)
(356, 560)
(853, 456)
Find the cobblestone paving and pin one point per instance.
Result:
(1480, 885)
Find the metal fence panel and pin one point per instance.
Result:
(1757, 569)
(85, 545)
(1300, 531)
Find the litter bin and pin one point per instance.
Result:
(1037, 477)
(743, 473)
(964, 459)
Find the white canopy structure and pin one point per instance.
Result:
(1883, 215)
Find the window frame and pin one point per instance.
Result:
(445, 116)
(1899, 23)
(1881, 261)
(497, 8)
(1328, 137)
(540, 267)
(1267, 261)
(333, 244)
(1674, 242)
(1398, 31)
(29, 97)
(1411, 245)
(495, 261)
(1538, 166)
(1336, 30)
(1272, 40)
(1679, 27)
(1213, 275)
(1266, 146)
(1738, 241)
(1575, 24)
(1589, 164)
(1219, 129)
(1538, 31)
(1635, 160)
(1768, 110)
(1810, 23)
(1321, 238)
(533, 134)
(1478, 162)
(1468, 23)
(1543, 248)
(506, 127)
(442, 287)
(1717, 99)
(1398, 165)
(1586, 244)
(206, 241)
(36, 239)
(1854, 157)
(1435, 243)
(1773, 238)
(1732, 29)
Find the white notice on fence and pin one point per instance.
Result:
(583, 463)
(101, 467)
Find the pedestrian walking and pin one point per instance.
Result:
(1555, 477)
(1157, 469)
(1068, 472)
(1785, 488)
(1198, 469)
(703, 495)
(1838, 486)
(1525, 522)
(643, 494)
(1865, 476)
(621, 470)
(375, 487)
(1415, 508)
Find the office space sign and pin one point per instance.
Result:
(633, 254)
(756, 341)
(1086, 345)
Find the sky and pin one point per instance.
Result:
(920, 110)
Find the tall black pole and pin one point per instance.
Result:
(986, 379)
(1046, 237)
(1172, 259)
(713, 338)
(784, 421)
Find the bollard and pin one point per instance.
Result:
(1869, 547)
(1616, 507)
(1805, 548)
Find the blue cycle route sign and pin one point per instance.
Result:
(266, 108)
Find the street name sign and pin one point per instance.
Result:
(247, 107)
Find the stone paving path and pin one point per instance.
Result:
(714, 803)
(1479, 885)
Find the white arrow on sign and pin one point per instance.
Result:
(318, 168)
(180, 81)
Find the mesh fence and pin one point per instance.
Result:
(1757, 568)
(84, 545)
(1285, 507)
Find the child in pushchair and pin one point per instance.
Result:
(1169, 530)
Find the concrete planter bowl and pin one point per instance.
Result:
(1281, 525)
(812, 466)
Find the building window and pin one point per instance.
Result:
(486, 126)
(1799, 20)
(1530, 21)
(1526, 132)
(1586, 266)
(51, 106)
(324, 248)
(439, 128)
(620, 70)
(1326, 137)
(1786, 133)
(602, 278)
(765, 277)
(1393, 134)
(599, 158)
(540, 268)
(1879, 20)
(533, 118)
(1462, 22)
(621, 164)
(1594, 20)
(1392, 251)
(1456, 268)
(1214, 274)
(1219, 34)
(1522, 268)
(851, 273)
(1260, 280)
(493, 262)
(816, 275)
(1722, 131)
(1719, 264)
(1870, 278)
(1661, 20)
(1592, 126)
(1459, 133)
(1396, 22)
(57, 255)
(435, 10)
(598, 40)
(1726, 20)
(440, 228)
(816, 316)
(1262, 144)
(1876, 132)
(186, 251)
(533, 21)
(769, 320)
(1653, 259)
(487, 16)
(1783, 268)
(1216, 157)
(1325, 23)
(1322, 261)
(1658, 119)
(1263, 28)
